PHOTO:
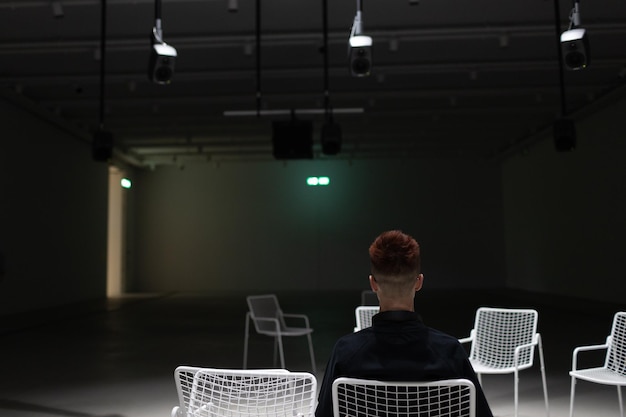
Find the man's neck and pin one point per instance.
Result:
(397, 305)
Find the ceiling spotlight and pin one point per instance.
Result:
(233, 6)
(360, 50)
(393, 45)
(575, 43)
(162, 55)
(57, 9)
(503, 40)
(162, 59)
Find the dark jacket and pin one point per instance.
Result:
(398, 347)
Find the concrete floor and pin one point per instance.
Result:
(116, 359)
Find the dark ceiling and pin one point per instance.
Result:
(450, 77)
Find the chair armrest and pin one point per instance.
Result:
(298, 316)
(586, 349)
(518, 348)
(271, 320)
(175, 412)
(469, 338)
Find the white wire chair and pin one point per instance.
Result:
(363, 316)
(503, 342)
(268, 319)
(614, 370)
(252, 393)
(183, 377)
(356, 397)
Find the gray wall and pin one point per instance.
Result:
(566, 213)
(256, 226)
(52, 215)
(542, 221)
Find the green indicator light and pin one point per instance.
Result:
(313, 181)
(125, 183)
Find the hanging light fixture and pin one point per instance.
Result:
(360, 46)
(162, 55)
(574, 42)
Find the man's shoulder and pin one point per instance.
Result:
(354, 340)
(442, 337)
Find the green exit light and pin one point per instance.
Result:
(313, 181)
(125, 183)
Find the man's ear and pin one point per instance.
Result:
(419, 282)
(373, 284)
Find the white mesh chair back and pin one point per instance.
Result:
(252, 393)
(265, 313)
(616, 354)
(498, 332)
(353, 397)
(363, 315)
(183, 377)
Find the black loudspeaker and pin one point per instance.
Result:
(102, 146)
(564, 135)
(161, 64)
(331, 138)
(292, 139)
(360, 61)
(575, 49)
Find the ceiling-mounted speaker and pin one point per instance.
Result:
(564, 135)
(102, 145)
(331, 138)
(575, 48)
(292, 139)
(360, 58)
(161, 63)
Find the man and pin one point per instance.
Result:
(398, 346)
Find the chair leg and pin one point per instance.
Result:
(313, 357)
(279, 338)
(275, 351)
(516, 389)
(543, 376)
(619, 397)
(245, 342)
(571, 397)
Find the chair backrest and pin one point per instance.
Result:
(616, 354)
(363, 315)
(356, 397)
(498, 331)
(247, 393)
(265, 307)
(183, 377)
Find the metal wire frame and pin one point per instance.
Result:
(613, 372)
(248, 393)
(503, 341)
(356, 397)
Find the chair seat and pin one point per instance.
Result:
(600, 375)
(289, 331)
(481, 368)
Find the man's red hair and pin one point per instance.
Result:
(394, 254)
